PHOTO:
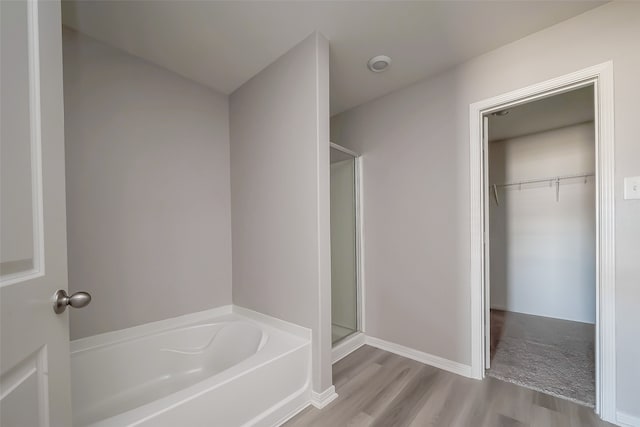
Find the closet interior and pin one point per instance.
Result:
(542, 245)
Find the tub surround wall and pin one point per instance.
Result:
(279, 123)
(148, 199)
(415, 148)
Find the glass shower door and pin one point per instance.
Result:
(344, 270)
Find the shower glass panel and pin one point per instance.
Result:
(344, 275)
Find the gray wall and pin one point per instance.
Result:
(279, 123)
(543, 251)
(148, 203)
(415, 144)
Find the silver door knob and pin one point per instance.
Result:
(62, 300)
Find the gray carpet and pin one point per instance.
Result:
(550, 355)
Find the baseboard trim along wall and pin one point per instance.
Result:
(419, 356)
(356, 341)
(347, 346)
(320, 400)
(627, 420)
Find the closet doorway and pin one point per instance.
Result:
(542, 243)
(600, 77)
(345, 248)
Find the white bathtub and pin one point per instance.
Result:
(219, 368)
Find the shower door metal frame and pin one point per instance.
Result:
(357, 175)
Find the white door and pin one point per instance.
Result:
(34, 341)
(486, 259)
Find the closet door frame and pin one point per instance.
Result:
(601, 78)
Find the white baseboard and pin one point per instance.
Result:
(419, 356)
(320, 400)
(347, 346)
(627, 420)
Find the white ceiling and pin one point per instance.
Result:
(222, 44)
(554, 112)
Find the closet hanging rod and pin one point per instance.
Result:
(549, 179)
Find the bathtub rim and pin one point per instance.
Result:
(217, 314)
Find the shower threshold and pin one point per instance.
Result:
(339, 333)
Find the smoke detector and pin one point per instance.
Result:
(379, 63)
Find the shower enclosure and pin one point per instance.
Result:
(345, 292)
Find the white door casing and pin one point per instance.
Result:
(34, 341)
(487, 246)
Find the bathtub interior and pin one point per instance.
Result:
(114, 378)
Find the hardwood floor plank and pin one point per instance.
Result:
(430, 411)
(504, 421)
(386, 395)
(341, 410)
(511, 400)
(360, 420)
(359, 393)
(406, 405)
(380, 389)
(349, 367)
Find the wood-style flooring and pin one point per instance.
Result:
(378, 388)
